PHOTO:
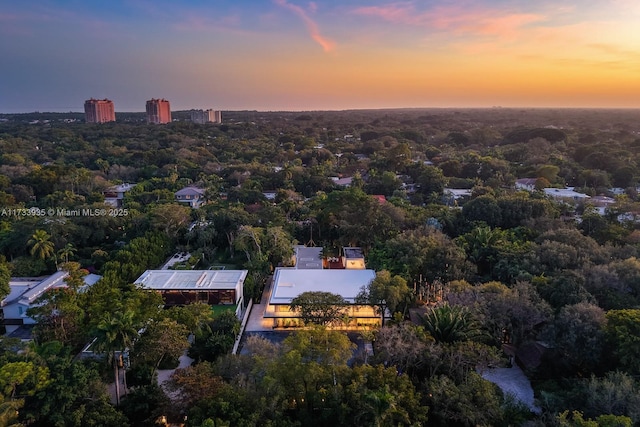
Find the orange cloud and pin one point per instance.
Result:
(327, 44)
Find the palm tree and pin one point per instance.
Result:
(451, 323)
(66, 252)
(42, 246)
(115, 332)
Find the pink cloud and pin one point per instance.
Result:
(454, 19)
(327, 44)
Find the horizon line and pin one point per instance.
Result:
(497, 107)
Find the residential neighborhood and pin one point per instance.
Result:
(436, 267)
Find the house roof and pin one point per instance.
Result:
(526, 181)
(191, 280)
(308, 258)
(565, 193)
(457, 193)
(288, 283)
(344, 182)
(27, 290)
(121, 188)
(190, 191)
(353, 253)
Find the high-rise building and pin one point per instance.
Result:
(158, 111)
(99, 111)
(206, 116)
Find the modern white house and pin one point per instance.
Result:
(182, 287)
(308, 275)
(24, 293)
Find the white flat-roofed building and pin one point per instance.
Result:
(181, 287)
(565, 194)
(288, 283)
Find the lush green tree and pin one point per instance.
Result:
(320, 346)
(319, 308)
(578, 335)
(171, 218)
(195, 383)
(576, 419)
(508, 314)
(60, 316)
(425, 254)
(402, 345)
(482, 245)
(18, 379)
(162, 339)
(386, 293)
(469, 403)
(5, 277)
(41, 245)
(623, 336)
(483, 208)
(216, 338)
(379, 396)
(193, 316)
(74, 396)
(145, 404)
(67, 251)
(115, 333)
(351, 218)
(616, 393)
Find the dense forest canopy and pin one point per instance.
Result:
(471, 276)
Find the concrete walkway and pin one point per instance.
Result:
(257, 322)
(514, 382)
(165, 374)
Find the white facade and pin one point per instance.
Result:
(288, 283)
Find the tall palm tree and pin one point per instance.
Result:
(115, 332)
(68, 251)
(41, 244)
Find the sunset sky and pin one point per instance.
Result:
(301, 55)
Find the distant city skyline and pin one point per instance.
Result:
(273, 55)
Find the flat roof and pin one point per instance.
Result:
(192, 280)
(288, 283)
(352, 252)
(308, 258)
